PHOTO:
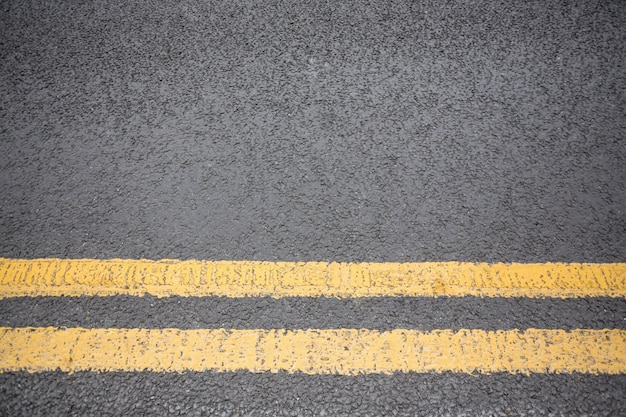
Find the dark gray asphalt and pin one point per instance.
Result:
(320, 313)
(345, 131)
(240, 393)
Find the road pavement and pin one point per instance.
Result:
(387, 131)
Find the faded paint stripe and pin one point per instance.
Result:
(338, 351)
(89, 277)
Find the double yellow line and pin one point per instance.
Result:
(312, 351)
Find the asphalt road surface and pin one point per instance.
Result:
(388, 131)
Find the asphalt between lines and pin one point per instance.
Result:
(340, 351)
(293, 313)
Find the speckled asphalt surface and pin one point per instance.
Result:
(345, 131)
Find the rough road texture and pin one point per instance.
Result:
(317, 313)
(483, 130)
(345, 131)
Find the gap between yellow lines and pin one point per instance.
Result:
(338, 351)
(90, 277)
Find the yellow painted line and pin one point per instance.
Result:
(90, 277)
(338, 351)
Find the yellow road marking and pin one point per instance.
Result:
(90, 277)
(338, 351)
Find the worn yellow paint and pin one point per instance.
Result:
(90, 277)
(336, 351)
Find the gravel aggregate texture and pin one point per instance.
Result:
(248, 394)
(314, 313)
(378, 131)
